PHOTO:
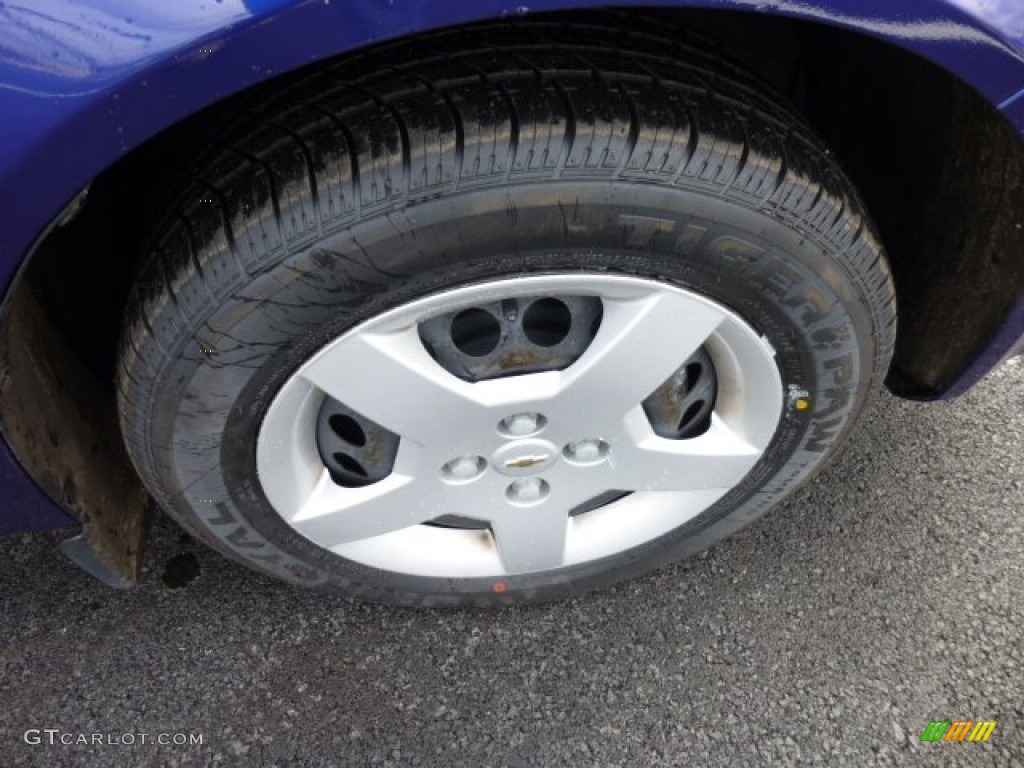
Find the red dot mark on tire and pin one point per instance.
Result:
(499, 587)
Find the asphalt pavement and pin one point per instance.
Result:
(885, 595)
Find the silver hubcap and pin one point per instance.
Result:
(522, 461)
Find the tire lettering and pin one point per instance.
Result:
(782, 279)
(814, 302)
(843, 370)
(238, 538)
(831, 338)
(224, 516)
(837, 400)
(687, 242)
(271, 558)
(823, 434)
(734, 250)
(641, 231)
(838, 396)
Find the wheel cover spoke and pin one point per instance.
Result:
(642, 341)
(390, 378)
(530, 540)
(718, 459)
(333, 515)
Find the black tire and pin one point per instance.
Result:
(527, 148)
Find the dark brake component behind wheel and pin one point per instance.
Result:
(513, 336)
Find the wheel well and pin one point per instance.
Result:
(940, 171)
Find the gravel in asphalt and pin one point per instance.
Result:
(882, 596)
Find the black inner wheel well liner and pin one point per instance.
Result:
(940, 170)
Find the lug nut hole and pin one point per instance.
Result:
(522, 424)
(528, 491)
(589, 451)
(464, 469)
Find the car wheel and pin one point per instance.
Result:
(500, 326)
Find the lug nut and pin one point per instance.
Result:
(528, 490)
(586, 451)
(464, 468)
(522, 424)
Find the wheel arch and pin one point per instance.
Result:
(86, 99)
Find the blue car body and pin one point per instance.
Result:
(83, 82)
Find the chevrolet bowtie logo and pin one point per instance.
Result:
(525, 462)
